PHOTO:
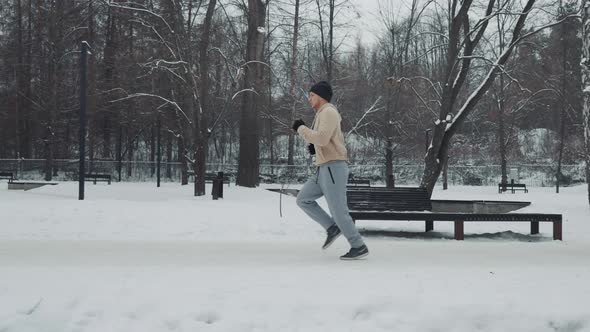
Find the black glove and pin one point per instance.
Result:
(297, 123)
(311, 149)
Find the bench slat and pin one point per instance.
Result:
(388, 199)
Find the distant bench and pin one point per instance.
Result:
(402, 203)
(94, 177)
(209, 177)
(28, 185)
(7, 176)
(513, 187)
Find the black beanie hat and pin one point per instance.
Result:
(322, 89)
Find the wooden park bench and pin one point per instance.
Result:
(6, 175)
(402, 203)
(513, 187)
(94, 177)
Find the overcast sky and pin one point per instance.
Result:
(370, 23)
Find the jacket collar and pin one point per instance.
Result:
(326, 105)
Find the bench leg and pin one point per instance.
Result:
(429, 225)
(459, 234)
(534, 227)
(557, 235)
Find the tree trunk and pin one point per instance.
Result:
(152, 150)
(558, 175)
(502, 133)
(293, 83)
(130, 142)
(562, 112)
(91, 109)
(500, 98)
(389, 175)
(503, 161)
(28, 66)
(249, 155)
(446, 173)
(18, 69)
(169, 139)
(586, 86)
(182, 160)
(120, 152)
(331, 42)
(103, 119)
(201, 125)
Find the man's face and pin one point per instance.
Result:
(314, 100)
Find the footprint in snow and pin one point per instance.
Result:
(207, 317)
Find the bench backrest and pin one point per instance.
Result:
(388, 199)
(209, 176)
(511, 185)
(358, 183)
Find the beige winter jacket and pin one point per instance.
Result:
(326, 135)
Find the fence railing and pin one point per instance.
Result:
(138, 171)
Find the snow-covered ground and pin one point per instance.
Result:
(133, 257)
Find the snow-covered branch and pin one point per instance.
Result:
(526, 35)
(422, 100)
(370, 110)
(244, 90)
(127, 6)
(158, 64)
(227, 64)
(473, 99)
(162, 40)
(427, 52)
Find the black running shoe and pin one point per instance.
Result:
(333, 233)
(355, 253)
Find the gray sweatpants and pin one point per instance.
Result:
(330, 181)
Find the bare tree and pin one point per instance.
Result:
(335, 8)
(462, 42)
(397, 57)
(175, 58)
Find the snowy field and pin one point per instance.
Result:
(133, 257)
